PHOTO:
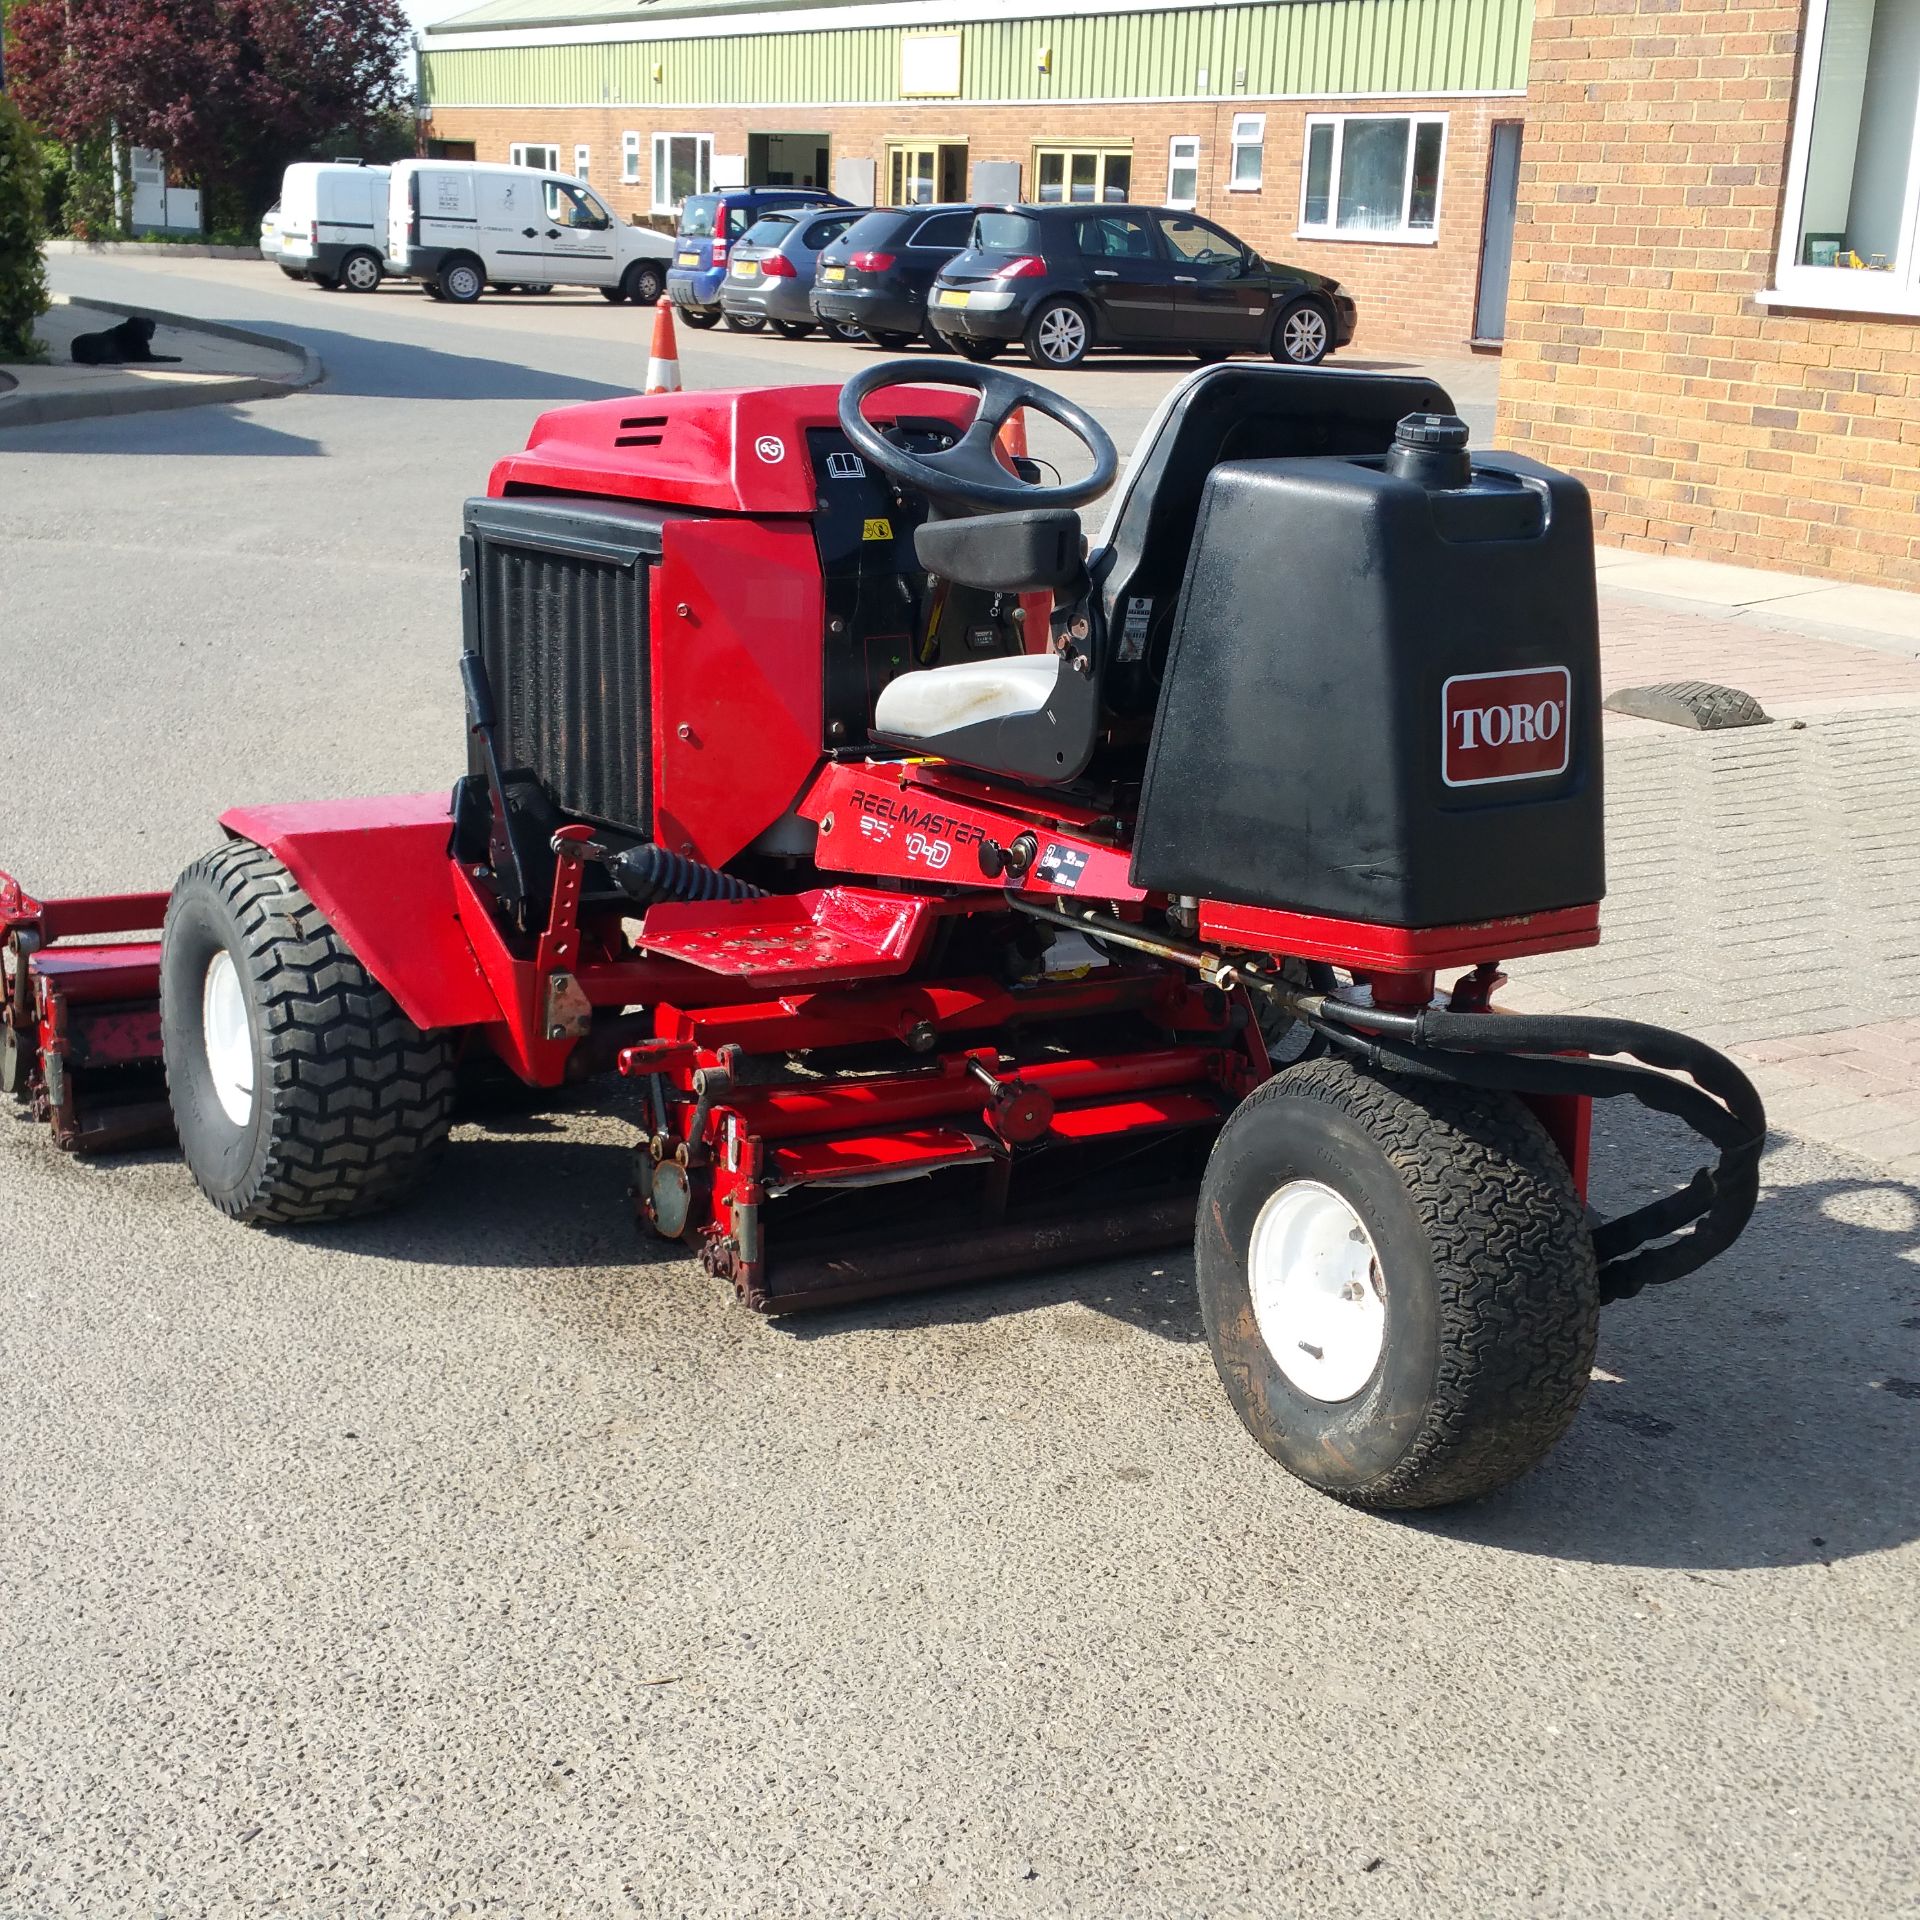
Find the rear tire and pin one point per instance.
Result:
(1397, 1283)
(1303, 334)
(431, 288)
(845, 332)
(327, 280)
(790, 329)
(300, 1091)
(1059, 335)
(361, 271)
(978, 351)
(889, 341)
(462, 281)
(614, 296)
(746, 322)
(696, 317)
(642, 284)
(937, 341)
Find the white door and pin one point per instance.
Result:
(580, 232)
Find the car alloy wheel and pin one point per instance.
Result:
(1303, 336)
(360, 273)
(1060, 336)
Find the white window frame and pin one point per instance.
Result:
(1839, 289)
(1400, 236)
(517, 155)
(1249, 130)
(660, 187)
(629, 159)
(582, 161)
(1175, 160)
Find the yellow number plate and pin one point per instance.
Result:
(948, 298)
(833, 273)
(689, 260)
(745, 269)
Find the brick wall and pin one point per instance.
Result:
(1650, 204)
(1408, 295)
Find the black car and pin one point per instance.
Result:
(1066, 280)
(877, 275)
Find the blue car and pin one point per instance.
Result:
(709, 225)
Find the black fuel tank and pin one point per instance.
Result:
(1382, 697)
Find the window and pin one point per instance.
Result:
(1201, 249)
(570, 207)
(823, 233)
(583, 163)
(1006, 233)
(1850, 239)
(682, 166)
(1113, 236)
(943, 230)
(547, 159)
(1082, 175)
(1373, 177)
(1249, 152)
(1183, 171)
(630, 159)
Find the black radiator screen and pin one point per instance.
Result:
(563, 631)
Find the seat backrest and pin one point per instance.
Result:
(1233, 411)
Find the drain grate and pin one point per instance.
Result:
(1700, 704)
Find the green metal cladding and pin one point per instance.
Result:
(1301, 47)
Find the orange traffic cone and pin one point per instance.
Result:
(1011, 441)
(663, 362)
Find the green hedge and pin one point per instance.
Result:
(23, 277)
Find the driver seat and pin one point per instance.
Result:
(1033, 717)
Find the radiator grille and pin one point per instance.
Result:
(565, 642)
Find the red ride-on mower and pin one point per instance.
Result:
(943, 889)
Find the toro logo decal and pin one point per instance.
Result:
(1505, 726)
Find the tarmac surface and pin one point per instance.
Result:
(478, 1560)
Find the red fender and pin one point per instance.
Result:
(380, 872)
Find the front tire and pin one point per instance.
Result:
(462, 281)
(1397, 1283)
(300, 1091)
(1059, 335)
(642, 284)
(1303, 335)
(361, 271)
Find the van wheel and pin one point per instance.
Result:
(1302, 336)
(327, 280)
(462, 281)
(1059, 335)
(361, 271)
(699, 317)
(790, 329)
(431, 288)
(299, 1090)
(1397, 1282)
(643, 283)
(614, 296)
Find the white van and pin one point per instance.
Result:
(459, 225)
(333, 221)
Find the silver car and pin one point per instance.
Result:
(770, 271)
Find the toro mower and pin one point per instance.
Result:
(962, 898)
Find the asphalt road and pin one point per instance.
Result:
(479, 1561)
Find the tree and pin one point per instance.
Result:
(228, 90)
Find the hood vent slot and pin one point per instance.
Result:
(643, 431)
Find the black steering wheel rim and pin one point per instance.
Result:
(965, 474)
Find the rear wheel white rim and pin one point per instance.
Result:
(463, 283)
(228, 1036)
(1306, 336)
(362, 275)
(1319, 1298)
(1063, 334)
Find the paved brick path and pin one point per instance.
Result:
(1764, 884)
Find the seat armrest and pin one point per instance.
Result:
(1021, 552)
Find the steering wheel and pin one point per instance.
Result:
(967, 473)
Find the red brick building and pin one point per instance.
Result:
(1714, 311)
(1375, 141)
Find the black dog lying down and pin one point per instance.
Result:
(130, 341)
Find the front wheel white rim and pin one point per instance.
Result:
(1306, 336)
(1319, 1298)
(463, 283)
(228, 1036)
(1063, 335)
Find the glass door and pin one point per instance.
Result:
(913, 175)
